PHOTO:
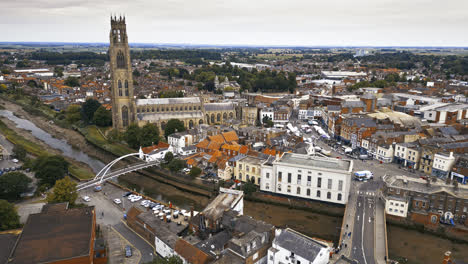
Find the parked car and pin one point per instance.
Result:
(117, 201)
(98, 188)
(15, 160)
(128, 251)
(127, 194)
(86, 198)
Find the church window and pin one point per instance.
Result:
(177, 108)
(152, 109)
(125, 116)
(185, 108)
(120, 60)
(120, 87)
(143, 110)
(138, 110)
(157, 109)
(190, 108)
(199, 107)
(126, 87)
(172, 109)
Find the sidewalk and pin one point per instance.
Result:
(380, 251)
(348, 223)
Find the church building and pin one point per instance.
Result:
(127, 110)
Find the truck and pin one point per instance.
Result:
(363, 175)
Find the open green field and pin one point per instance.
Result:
(96, 137)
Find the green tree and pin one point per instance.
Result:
(168, 157)
(49, 169)
(64, 191)
(13, 184)
(19, 152)
(195, 172)
(249, 188)
(136, 73)
(176, 165)
(132, 136)
(102, 117)
(73, 114)
(267, 121)
(9, 218)
(72, 82)
(149, 135)
(88, 109)
(172, 126)
(3, 88)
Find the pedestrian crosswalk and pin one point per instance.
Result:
(365, 193)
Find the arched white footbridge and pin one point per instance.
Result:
(104, 174)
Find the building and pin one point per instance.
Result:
(425, 201)
(290, 246)
(126, 109)
(443, 163)
(460, 170)
(384, 153)
(249, 169)
(308, 177)
(407, 154)
(59, 234)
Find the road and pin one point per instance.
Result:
(363, 230)
(111, 214)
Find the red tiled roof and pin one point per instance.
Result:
(191, 253)
(230, 136)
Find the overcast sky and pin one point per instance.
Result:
(238, 22)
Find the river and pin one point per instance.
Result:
(59, 144)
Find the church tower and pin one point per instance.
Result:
(123, 102)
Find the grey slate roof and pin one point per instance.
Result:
(299, 244)
(219, 107)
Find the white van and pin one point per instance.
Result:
(363, 175)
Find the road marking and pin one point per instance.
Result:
(369, 220)
(358, 217)
(359, 204)
(362, 238)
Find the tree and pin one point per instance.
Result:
(19, 152)
(172, 126)
(72, 82)
(13, 184)
(267, 121)
(102, 117)
(88, 109)
(73, 114)
(132, 136)
(3, 88)
(49, 169)
(136, 73)
(249, 188)
(168, 260)
(176, 165)
(9, 218)
(149, 135)
(64, 191)
(168, 157)
(195, 172)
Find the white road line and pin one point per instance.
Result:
(369, 220)
(362, 238)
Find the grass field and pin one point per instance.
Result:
(93, 135)
(37, 150)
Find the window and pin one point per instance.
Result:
(328, 195)
(308, 192)
(253, 169)
(267, 186)
(340, 185)
(391, 203)
(268, 175)
(289, 188)
(319, 182)
(391, 210)
(247, 167)
(289, 177)
(298, 179)
(329, 184)
(319, 173)
(309, 180)
(339, 197)
(240, 166)
(279, 187)
(298, 190)
(318, 194)
(424, 204)
(280, 176)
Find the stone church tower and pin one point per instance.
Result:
(123, 103)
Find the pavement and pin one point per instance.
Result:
(110, 215)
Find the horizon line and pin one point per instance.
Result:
(240, 45)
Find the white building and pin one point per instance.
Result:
(156, 154)
(385, 153)
(308, 177)
(179, 141)
(396, 206)
(290, 246)
(269, 112)
(442, 165)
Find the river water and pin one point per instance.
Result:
(59, 144)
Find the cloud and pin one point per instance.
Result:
(291, 22)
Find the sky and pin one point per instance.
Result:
(241, 22)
